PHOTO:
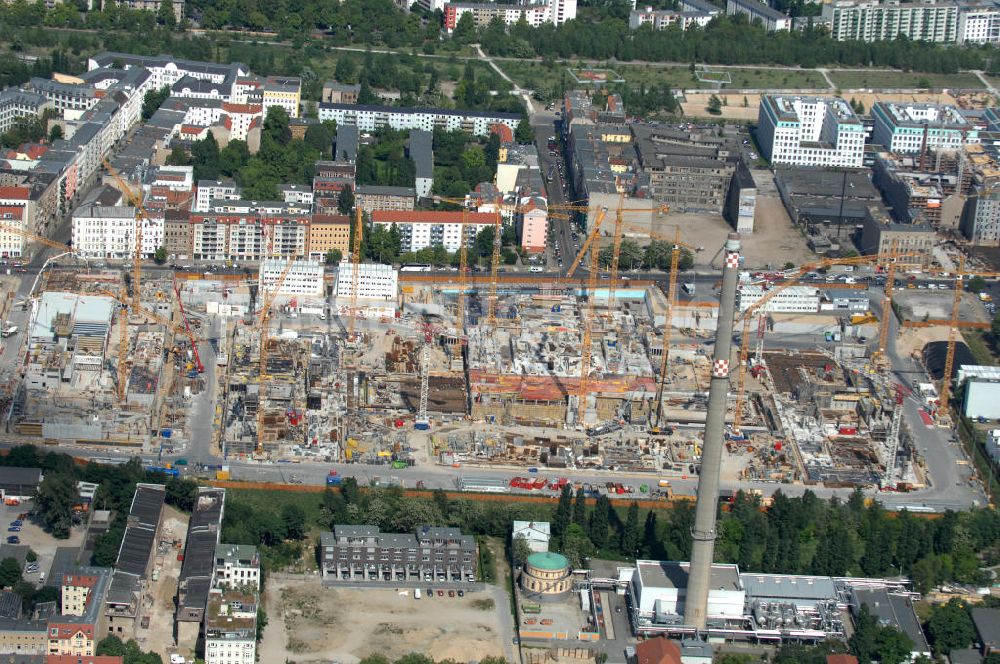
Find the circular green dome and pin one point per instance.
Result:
(548, 560)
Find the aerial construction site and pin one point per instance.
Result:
(504, 370)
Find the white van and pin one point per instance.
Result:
(537, 269)
(416, 593)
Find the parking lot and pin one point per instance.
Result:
(33, 537)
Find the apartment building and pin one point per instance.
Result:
(661, 19)
(304, 278)
(876, 20)
(166, 70)
(370, 118)
(420, 229)
(329, 232)
(212, 190)
(149, 6)
(362, 553)
(533, 223)
(237, 566)
(250, 230)
(375, 281)
(231, 627)
(372, 197)
(82, 588)
(979, 23)
(771, 19)
(283, 91)
(177, 234)
(534, 14)
(16, 104)
(908, 128)
(11, 243)
(109, 232)
(76, 630)
(296, 193)
(810, 131)
(980, 222)
(69, 99)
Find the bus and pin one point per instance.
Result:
(415, 267)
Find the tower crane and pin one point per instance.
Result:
(267, 299)
(140, 216)
(878, 357)
(588, 317)
(953, 324)
(187, 329)
(758, 308)
(355, 271)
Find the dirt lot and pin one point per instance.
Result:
(164, 589)
(307, 624)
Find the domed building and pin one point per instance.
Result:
(546, 574)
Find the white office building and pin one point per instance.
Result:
(910, 128)
(304, 278)
(792, 300)
(872, 20)
(370, 118)
(375, 281)
(109, 232)
(810, 131)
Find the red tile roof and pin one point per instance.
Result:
(65, 631)
(19, 193)
(431, 217)
(841, 659)
(658, 651)
(246, 109)
(14, 212)
(505, 133)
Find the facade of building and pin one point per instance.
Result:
(237, 566)
(535, 533)
(792, 300)
(370, 118)
(211, 190)
(533, 224)
(810, 131)
(340, 93)
(231, 627)
(362, 553)
(375, 281)
(910, 128)
(109, 232)
(329, 232)
(879, 236)
(533, 13)
(877, 20)
(979, 24)
(421, 229)
(771, 19)
(283, 91)
(546, 574)
(371, 197)
(661, 19)
(980, 222)
(16, 104)
(304, 278)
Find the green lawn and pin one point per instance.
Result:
(880, 78)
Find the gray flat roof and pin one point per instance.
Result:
(783, 586)
(987, 622)
(667, 574)
(896, 610)
(21, 476)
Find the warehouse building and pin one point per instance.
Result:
(362, 553)
(982, 391)
(19, 483)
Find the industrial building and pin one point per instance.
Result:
(198, 568)
(982, 391)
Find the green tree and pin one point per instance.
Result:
(345, 203)
(346, 70)
(320, 136)
(580, 509)
(714, 105)
(630, 533)
(950, 627)
(276, 126)
(294, 520)
(110, 646)
(153, 99)
(465, 29)
(976, 284)
(576, 546)
(561, 516)
(525, 133)
(54, 501)
(160, 256)
(10, 572)
(519, 551)
(56, 133)
(165, 16)
(600, 524)
(333, 257)
(484, 241)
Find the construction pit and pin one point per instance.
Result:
(97, 372)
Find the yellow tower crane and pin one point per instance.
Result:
(355, 271)
(140, 216)
(267, 299)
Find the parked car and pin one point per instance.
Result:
(440, 593)
(461, 593)
(14, 529)
(17, 522)
(430, 592)
(451, 593)
(13, 539)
